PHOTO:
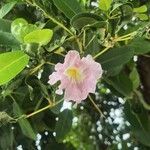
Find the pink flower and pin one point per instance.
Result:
(78, 77)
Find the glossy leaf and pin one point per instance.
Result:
(69, 7)
(140, 125)
(24, 123)
(6, 8)
(92, 45)
(116, 6)
(114, 71)
(115, 57)
(126, 11)
(64, 124)
(42, 37)
(134, 76)
(84, 19)
(11, 63)
(105, 4)
(121, 83)
(143, 16)
(140, 45)
(20, 28)
(19, 21)
(140, 9)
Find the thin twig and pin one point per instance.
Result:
(44, 108)
(38, 111)
(101, 52)
(79, 45)
(96, 107)
(50, 17)
(50, 63)
(90, 41)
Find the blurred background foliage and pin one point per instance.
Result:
(120, 27)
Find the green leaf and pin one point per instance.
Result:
(6, 8)
(5, 25)
(126, 12)
(56, 109)
(115, 57)
(11, 63)
(31, 49)
(7, 142)
(19, 22)
(64, 124)
(7, 39)
(143, 16)
(105, 4)
(140, 125)
(114, 71)
(140, 45)
(116, 6)
(24, 123)
(69, 7)
(142, 100)
(141, 9)
(134, 76)
(20, 28)
(42, 37)
(121, 83)
(92, 47)
(82, 19)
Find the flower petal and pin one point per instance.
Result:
(71, 58)
(93, 68)
(74, 92)
(59, 91)
(53, 78)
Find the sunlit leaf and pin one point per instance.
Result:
(105, 4)
(20, 28)
(143, 16)
(11, 63)
(140, 9)
(42, 37)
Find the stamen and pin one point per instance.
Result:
(74, 74)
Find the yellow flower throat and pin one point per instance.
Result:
(74, 74)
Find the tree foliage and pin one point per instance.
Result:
(37, 34)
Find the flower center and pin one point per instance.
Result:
(74, 74)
